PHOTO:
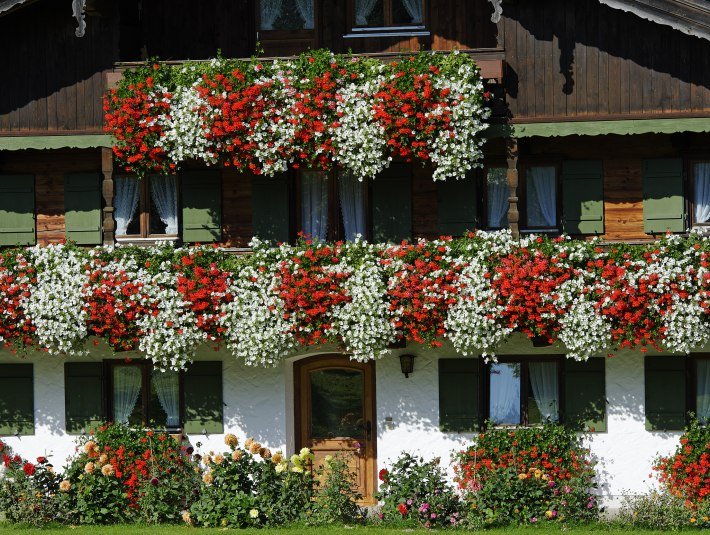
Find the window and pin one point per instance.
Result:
(523, 392)
(384, 13)
(16, 399)
(700, 173)
(676, 386)
(526, 390)
(136, 394)
(541, 196)
(286, 15)
(331, 207)
(17, 210)
(147, 207)
(497, 193)
(140, 395)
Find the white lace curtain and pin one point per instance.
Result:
(167, 387)
(125, 202)
(414, 8)
(543, 378)
(164, 194)
(269, 11)
(505, 393)
(314, 204)
(542, 197)
(703, 391)
(701, 176)
(305, 9)
(498, 194)
(126, 387)
(352, 205)
(363, 10)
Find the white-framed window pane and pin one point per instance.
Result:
(286, 14)
(498, 193)
(541, 201)
(701, 178)
(702, 389)
(544, 398)
(504, 397)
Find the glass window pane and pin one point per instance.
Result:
(407, 12)
(165, 399)
(352, 205)
(543, 388)
(498, 194)
(163, 205)
(126, 395)
(703, 391)
(369, 13)
(126, 205)
(134, 224)
(542, 197)
(314, 204)
(505, 393)
(287, 15)
(701, 178)
(337, 403)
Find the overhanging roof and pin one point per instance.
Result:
(688, 16)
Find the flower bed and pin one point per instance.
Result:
(474, 291)
(319, 110)
(526, 476)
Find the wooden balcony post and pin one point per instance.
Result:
(109, 224)
(512, 175)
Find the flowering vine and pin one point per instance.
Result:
(473, 291)
(318, 110)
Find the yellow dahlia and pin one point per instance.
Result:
(89, 468)
(231, 440)
(65, 486)
(237, 454)
(107, 470)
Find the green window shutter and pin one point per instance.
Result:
(17, 210)
(665, 387)
(583, 197)
(16, 399)
(458, 394)
(585, 394)
(269, 205)
(663, 199)
(82, 208)
(201, 206)
(83, 396)
(392, 204)
(203, 398)
(457, 206)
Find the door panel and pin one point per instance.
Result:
(335, 412)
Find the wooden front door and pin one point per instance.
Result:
(335, 414)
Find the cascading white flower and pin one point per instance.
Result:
(55, 302)
(471, 323)
(170, 335)
(363, 322)
(359, 139)
(255, 327)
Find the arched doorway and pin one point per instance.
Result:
(335, 413)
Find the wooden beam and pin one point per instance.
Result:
(109, 223)
(512, 175)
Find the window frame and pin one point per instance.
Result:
(144, 201)
(524, 361)
(388, 28)
(308, 34)
(523, 197)
(146, 368)
(690, 196)
(691, 383)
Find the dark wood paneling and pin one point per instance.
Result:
(236, 208)
(611, 62)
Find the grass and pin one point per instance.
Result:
(174, 530)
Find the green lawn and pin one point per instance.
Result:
(173, 530)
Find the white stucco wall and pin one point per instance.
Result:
(258, 403)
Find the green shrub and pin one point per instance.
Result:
(124, 475)
(252, 487)
(28, 491)
(336, 494)
(527, 476)
(659, 510)
(417, 492)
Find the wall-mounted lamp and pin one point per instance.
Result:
(406, 362)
